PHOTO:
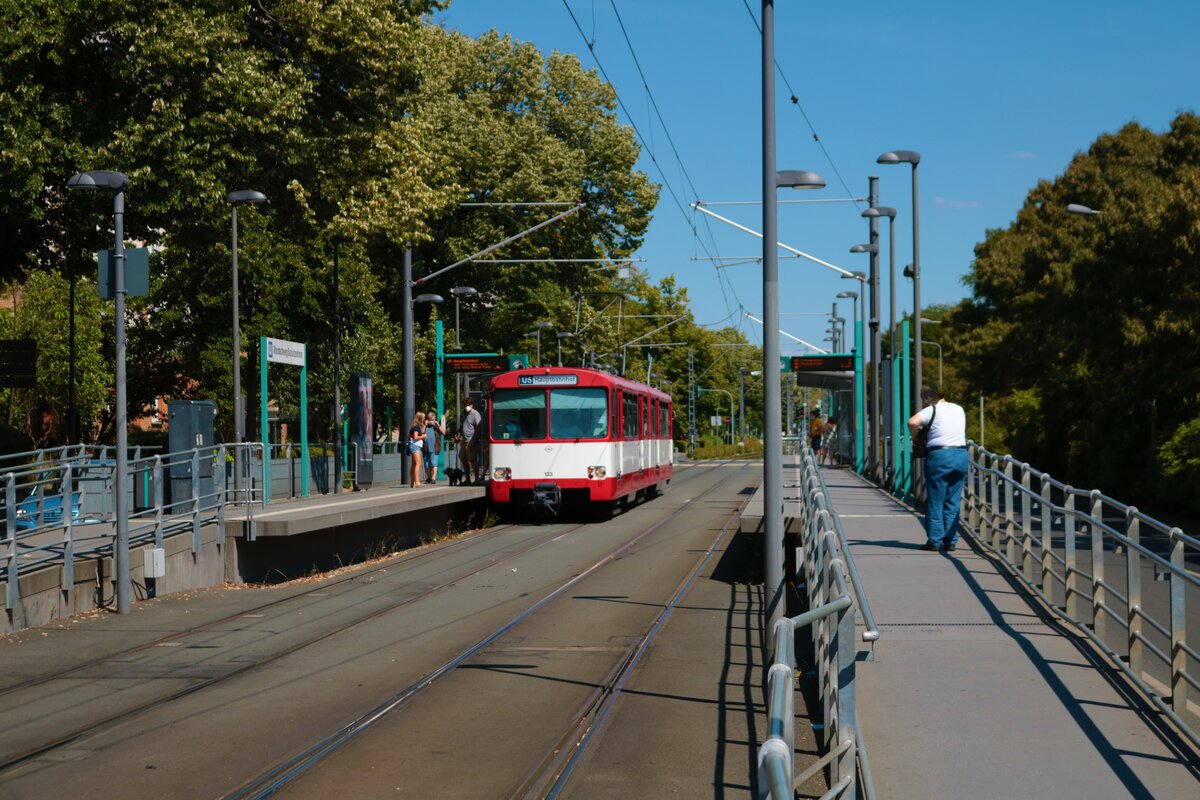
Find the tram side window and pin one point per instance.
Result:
(578, 414)
(519, 414)
(629, 416)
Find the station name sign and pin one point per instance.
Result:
(547, 380)
(281, 351)
(829, 362)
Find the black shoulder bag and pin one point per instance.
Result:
(919, 447)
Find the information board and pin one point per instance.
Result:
(476, 363)
(823, 362)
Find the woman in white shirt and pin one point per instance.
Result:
(945, 466)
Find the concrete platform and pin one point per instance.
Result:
(974, 692)
(295, 517)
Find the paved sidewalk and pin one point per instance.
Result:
(974, 693)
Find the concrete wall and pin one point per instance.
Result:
(44, 597)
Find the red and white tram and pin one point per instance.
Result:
(561, 435)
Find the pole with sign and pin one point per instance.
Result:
(281, 351)
(441, 401)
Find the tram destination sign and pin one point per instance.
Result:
(547, 380)
(823, 362)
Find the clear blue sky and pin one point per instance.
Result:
(995, 96)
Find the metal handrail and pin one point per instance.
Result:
(42, 528)
(826, 571)
(1000, 494)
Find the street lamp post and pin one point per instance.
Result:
(772, 180)
(939, 347)
(116, 182)
(538, 327)
(459, 292)
(732, 422)
(914, 158)
(560, 335)
(875, 398)
(410, 302)
(239, 415)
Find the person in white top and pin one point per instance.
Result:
(945, 466)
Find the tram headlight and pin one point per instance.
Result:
(502, 473)
(597, 472)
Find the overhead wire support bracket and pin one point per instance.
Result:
(486, 250)
(700, 207)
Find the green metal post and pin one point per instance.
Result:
(860, 398)
(264, 429)
(906, 403)
(896, 439)
(440, 351)
(304, 427)
(389, 427)
(345, 436)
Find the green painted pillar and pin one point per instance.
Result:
(264, 429)
(441, 403)
(304, 426)
(860, 396)
(896, 438)
(905, 405)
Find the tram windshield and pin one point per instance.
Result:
(519, 414)
(578, 414)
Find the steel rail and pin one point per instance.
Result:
(98, 726)
(283, 773)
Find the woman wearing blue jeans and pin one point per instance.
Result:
(945, 466)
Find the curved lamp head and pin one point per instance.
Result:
(756, 372)
(880, 211)
(429, 298)
(798, 179)
(899, 157)
(565, 335)
(543, 325)
(856, 275)
(1076, 208)
(851, 295)
(460, 291)
(246, 196)
(865, 248)
(99, 179)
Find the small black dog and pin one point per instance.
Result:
(454, 474)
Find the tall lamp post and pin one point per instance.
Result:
(410, 388)
(236, 199)
(560, 335)
(875, 398)
(538, 327)
(116, 183)
(914, 158)
(459, 292)
(772, 181)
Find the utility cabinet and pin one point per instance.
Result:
(191, 428)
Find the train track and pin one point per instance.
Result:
(395, 572)
(553, 771)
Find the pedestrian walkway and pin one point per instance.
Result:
(974, 692)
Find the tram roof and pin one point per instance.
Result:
(587, 378)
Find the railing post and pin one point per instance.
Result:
(195, 501)
(972, 491)
(159, 480)
(1099, 617)
(12, 595)
(1026, 525)
(1179, 656)
(68, 517)
(221, 459)
(1047, 540)
(1005, 493)
(1133, 582)
(1072, 577)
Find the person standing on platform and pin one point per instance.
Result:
(815, 430)
(945, 465)
(433, 446)
(416, 447)
(470, 442)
